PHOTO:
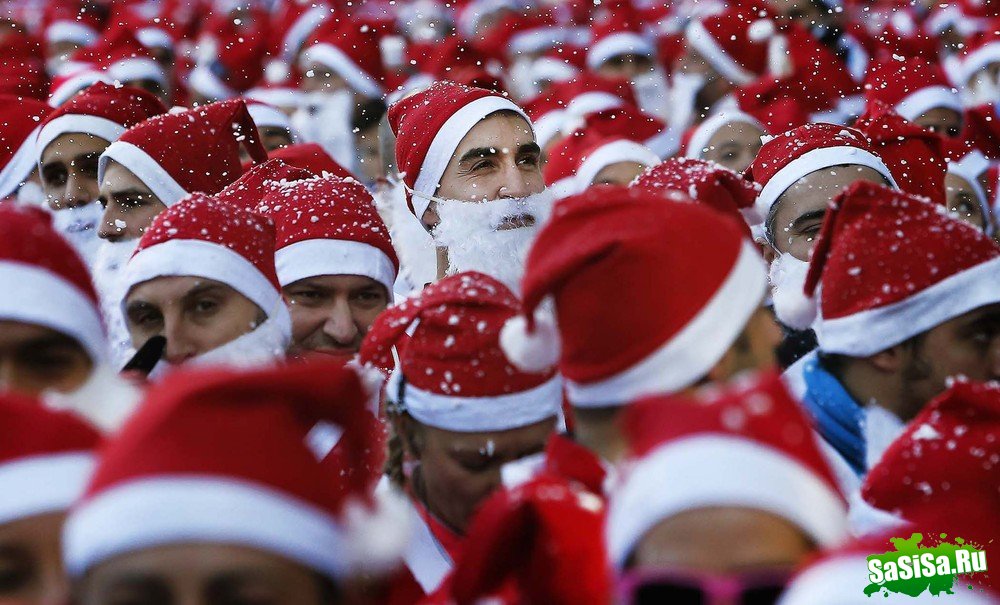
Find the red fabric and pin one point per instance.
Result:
(240, 49)
(878, 247)
(207, 219)
(358, 39)
(455, 348)
(19, 117)
(22, 72)
(730, 30)
(982, 130)
(891, 81)
(612, 235)
(28, 429)
(120, 104)
(249, 190)
(115, 45)
(313, 158)
(216, 130)
(442, 58)
(628, 122)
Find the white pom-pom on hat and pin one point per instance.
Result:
(760, 30)
(534, 351)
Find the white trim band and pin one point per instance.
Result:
(690, 354)
(312, 257)
(809, 162)
(31, 294)
(703, 41)
(138, 68)
(206, 83)
(41, 484)
(20, 165)
(915, 104)
(145, 168)
(352, 73)
(484, 414)
(75, 84)
(77, 122)
(621, 43)
(70, 31)
(622, 150)
(869, 332)
(978, 59)
(708, 470)
(447, 139)
(703, 133)
(197, 258)
(146, 513)
(268, 116)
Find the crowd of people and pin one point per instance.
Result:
(497, 301)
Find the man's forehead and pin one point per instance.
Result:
(336, 282)
(14, 333)
(505, 132)
(119, 178)
(170, 288)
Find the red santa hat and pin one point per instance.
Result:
(670, 338)
(46, 458)
(22, 72)
(429, 126)
(70, 21)
(696, 140)
(452, 374)
(102, 110)
(536, 543)
(470, 13)
(733, 42)
(44, 281)
(749, 446)
(20, 122)
(893, 266)
(450, 54)
(170, 476)
(329, 226)
(521, 34)
(630, 122)
(64, 87)
(790, 156)
(617, 33)
(295, 21)
(980, 51)
(313, 158)
(910, 86)
(351, 49)
(158, 151)
(576, 161)
(706, 183)
(590, 93)
(249, 190)
(231, 56)
(204, 237)
(121, 56)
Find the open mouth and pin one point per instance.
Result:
(516, 222)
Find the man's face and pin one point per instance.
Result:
(626, 66)
(459, 470)
(272, 137)
(715, 85)
(734, 146)
(754, 349)
(798, 213)
(151, 86)
(129, 205)
(968, 345)
(619, 173)
(201, 574)
(367, 146)
(497, 158)
(806, 12)
(34, 358)
(195, 315)
(69, 170)
(31, 570)
(722, 540)
(962, 200)
(332, 313)
(941, 120)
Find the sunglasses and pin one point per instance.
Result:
(646, 587)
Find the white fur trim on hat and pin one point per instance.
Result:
(269, 116)
(621, 43)
(871, 331)
(77, 122)
(197, 258)
(535, 40)
(145, 168)
(481, 414)
(710, 470)
(548, 126)
(206, 83)
(925, 99)
(146, 513)
(706, 45)
(690, 354)
(138, 68)
(65, 91)
(36, 485)
(154, 37)
(34, 295)
(665, 143)
(593, 102)
(352, 73)
(817, 159)
(617, 151)
(17, 170)
(297, 34)
(548, 68)
(277, 97)
(978, 59)
(706, 130)
(70, 31)
(447, 139)
(312, 257)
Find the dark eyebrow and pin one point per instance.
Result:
(478, 153)
(808, 216)
(531, 147)
(87, 156)
(138, 305)
(201, 289)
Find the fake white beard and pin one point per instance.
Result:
(30, 194)
(788, 277)
(325, 118)
(262, 346)
(652, 92)
(79, 226)
(107, 269)
(469, 231)
(683, 93)
(413, 245)
(106, 399)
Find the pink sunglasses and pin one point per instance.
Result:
(674, 587)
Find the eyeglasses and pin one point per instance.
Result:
(648, 587)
